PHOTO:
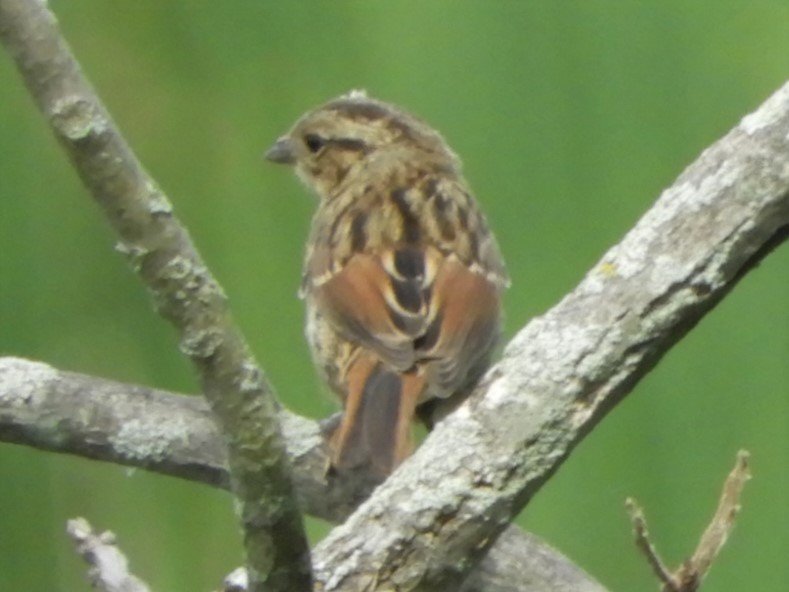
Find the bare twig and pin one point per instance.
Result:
(184, 291)
(689, 575)
(722, 522)
(109, 568)
(644, 543)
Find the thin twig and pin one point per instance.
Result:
(689, 575)
(109, 568)
(721, 525)
(644, 543)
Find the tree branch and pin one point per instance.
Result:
(185, 293)
(109, 568)
(173, 434)
(440, 511)
(690, 573)
(155, 430)
(429, 524)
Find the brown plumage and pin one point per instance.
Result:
(402, 277)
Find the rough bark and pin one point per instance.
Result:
(184, 292)
(428, 525)
(174, 435)
(441, 510)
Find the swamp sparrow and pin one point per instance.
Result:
(402, 277)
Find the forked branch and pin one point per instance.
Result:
(161, 252)
(689, 575)
(437, 516)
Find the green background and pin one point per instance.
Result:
(571, 117)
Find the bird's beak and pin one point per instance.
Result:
(281, 152)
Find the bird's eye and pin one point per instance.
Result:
(314, 143)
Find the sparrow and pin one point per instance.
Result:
(402, 277)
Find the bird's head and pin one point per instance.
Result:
(355, 136)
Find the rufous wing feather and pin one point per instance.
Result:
(423, 328)
(375, 429)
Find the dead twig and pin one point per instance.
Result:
(109, 568)
(688, 576)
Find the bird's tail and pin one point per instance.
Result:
(375, 428)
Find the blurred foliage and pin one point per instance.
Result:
(571, 117)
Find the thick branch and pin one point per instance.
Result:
(425, 526)
(173, 434)
(163, 432)
(185, 293)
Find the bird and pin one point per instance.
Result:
(402, 277)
